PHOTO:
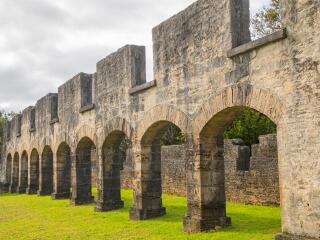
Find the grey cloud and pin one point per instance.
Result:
(43, 43)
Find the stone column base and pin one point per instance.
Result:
(12, 189)
(41, 193)
(143, 214)
(81, 201)
(108, 206)
(4, 188)
(286, 236)
(192, 225)
(21, 189)
(57, 196)
(31, 191)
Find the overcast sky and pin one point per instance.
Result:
(43, 43)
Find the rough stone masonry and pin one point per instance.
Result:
(206, 71)
(250, 178)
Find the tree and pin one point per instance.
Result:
(172, 136)
(4, 117)
(2, 125)
(249, 126)
(266, 21)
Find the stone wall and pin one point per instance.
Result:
(205, 74)
(258, 184)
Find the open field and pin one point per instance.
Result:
(32, 217)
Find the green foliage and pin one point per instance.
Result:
(32, 217)
(266, 21)
(4, 117)
(249, 125)
(172, 136)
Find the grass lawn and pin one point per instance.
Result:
(33, 218)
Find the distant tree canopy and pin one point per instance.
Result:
(249, 125)
(172, 136)
(3, 118)
(2, 124)
(266, 21)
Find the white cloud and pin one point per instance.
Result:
(43, 43)
(255, 5)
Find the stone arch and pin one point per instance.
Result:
(8, 169)
(240, 95)
(109, 194)
(81, 167)
(62, 172)
(85, 131)
(23, 173)
(46, 172)
(111, 160)
(148, 189)
(33, 173)
(163, 113)
(206, 180)
(14, 183)
(62, 137)
(47, 142)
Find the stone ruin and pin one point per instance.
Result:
(249, 178)
(206, 71)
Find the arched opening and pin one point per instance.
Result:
(207, 209)
(14, 174)
(46, 172)
(33, 178)
(23, 173)
(62, 174)
(148, 199)
(82, 184)
(8, 170)
(113, 156)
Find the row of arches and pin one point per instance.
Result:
(205, 169)
(70, 175)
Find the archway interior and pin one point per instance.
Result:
(151, 143)
(212, 176)
(33, 179)
(82, 186)
(23, 175)
(15, 173)
(8, 169)
(46, 176)
(113, 155)
(63, 171)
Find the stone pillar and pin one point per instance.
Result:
(8, 171)
(109, 185)
(33, 173)
(14, 181)
(62, 173)
(81, 177)
(147, 200)
(46, 174)
(23, 174)
(205, 187)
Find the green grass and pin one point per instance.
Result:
(32, 217)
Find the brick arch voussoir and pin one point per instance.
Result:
(63, 137)
(82, 132)
(115, 124)
(163, 113)
(46, 141)
(238, 95)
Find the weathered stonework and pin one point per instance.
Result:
(259, 183)
(199, 89)
(256, 182)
